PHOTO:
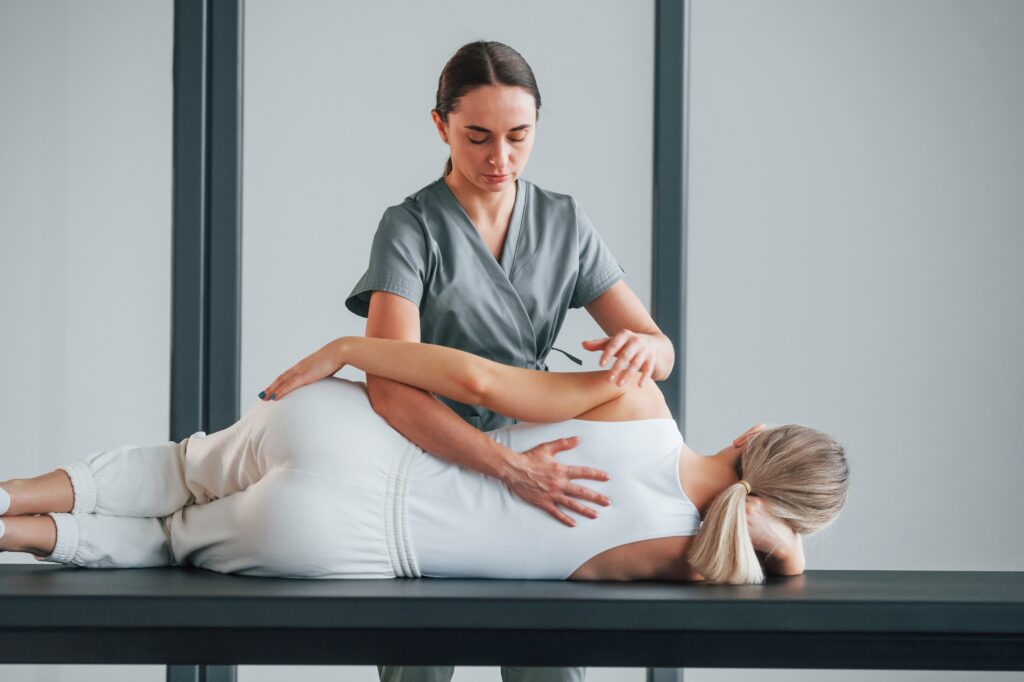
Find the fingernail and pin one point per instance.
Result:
(273, 396)
(263, 394)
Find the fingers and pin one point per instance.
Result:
(587, 494)
(613, 346)
(559, 516)
(553, 447)
(277, 388)
(623, 364)
(578, 507)
(624, 350)
(569, 503)
(586, 472)
(630, 351)
(632, 356)
(741, 440)
(646, 371)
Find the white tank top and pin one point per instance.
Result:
(465, 524)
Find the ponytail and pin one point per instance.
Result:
(722, 551)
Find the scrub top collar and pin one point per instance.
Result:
(508, 251)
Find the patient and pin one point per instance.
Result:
(317, 485)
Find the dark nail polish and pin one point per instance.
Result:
(273, 396)
(263, 394)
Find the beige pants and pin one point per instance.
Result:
(307, 487)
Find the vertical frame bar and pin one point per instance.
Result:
(664, 675)
(206, 306)
(189, 255)
(224, 147)
(671, 79)
(671, 123)
(206, 310)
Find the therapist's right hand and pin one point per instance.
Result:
(537, 477)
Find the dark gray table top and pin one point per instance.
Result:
(819, 601)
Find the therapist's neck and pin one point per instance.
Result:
(487, 205)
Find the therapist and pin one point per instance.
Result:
(487, 262)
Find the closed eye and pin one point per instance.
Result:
(511, 139)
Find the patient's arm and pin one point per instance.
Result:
(522, 394)
(786, 560)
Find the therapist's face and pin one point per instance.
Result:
(490, 133)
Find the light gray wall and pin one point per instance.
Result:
(855, 248)
(85, 239)
(854, 235)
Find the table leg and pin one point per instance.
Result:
(202, 673)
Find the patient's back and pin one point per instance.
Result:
(462, 523)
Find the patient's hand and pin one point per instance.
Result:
(768, 533)
(537, 477)
(315, 366)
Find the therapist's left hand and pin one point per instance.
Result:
(632, 352)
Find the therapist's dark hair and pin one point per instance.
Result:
(480, 63)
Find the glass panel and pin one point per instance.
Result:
(338, 128)
(85, 243)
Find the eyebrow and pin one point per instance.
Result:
(485, 130)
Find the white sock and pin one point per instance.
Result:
(5, 502)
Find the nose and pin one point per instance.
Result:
(500, 154)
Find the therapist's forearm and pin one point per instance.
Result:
(435, 427)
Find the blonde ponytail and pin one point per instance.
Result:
(722, 551)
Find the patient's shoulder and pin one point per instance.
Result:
(646, 402)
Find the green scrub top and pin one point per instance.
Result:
(427, 250)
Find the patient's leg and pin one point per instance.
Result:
(35, 534)
(40, 494)
(90, 540)
(145, 481)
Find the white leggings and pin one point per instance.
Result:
(310, 486)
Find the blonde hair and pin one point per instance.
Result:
(802, 476)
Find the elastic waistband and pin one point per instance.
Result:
(400, 551)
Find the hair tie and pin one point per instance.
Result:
(745, 485)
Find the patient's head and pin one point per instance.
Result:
(800, 473)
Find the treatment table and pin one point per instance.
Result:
(189, 618)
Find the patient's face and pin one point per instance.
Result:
(487, 136)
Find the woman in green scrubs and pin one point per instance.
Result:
(487, 262)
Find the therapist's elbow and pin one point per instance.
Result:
(667, 361)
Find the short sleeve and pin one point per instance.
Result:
(598, 268)
(397, 262)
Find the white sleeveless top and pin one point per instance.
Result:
(465, 524)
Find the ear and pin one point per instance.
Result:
(440, 125)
